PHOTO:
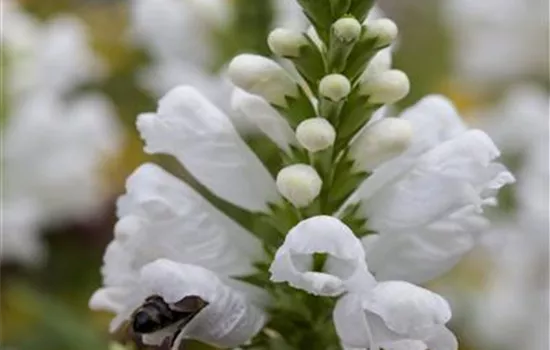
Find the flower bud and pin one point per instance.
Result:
(384, 30)
(315, 134)
(299, 184)
(380, 142)
(286, 43)
(347, 29)
(334, 87)
(262, 76)
(387, 87)
(380, 63)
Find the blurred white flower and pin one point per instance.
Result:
(426, 204)
(54, 139)
(511, 312)
(53, 56)
(498, 41)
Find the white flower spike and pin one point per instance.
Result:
(344, 268)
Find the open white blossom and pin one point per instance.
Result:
(160, 216)
(344, 269)
(394, 315)
(54, 138)
(426, 204)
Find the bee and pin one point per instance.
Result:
(155, 314)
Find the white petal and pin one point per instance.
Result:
(265, 117)
(434, 120)
(407, 309)
(421, 255)
(227, 321)
(350, 322)
(164, 217)
(202, 138)
(345, 267)
(441, 182)
(441, 339)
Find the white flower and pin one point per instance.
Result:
(394, 315)
(485, 32)
(300, 184)
(260, 113)
(426, 204)
(53, 150)
(315, 134)
(385, 87)
(201, 136)
(54, 138)
(33, 53)
(227, 320)
(161, 217)
(344, 268)
(335, 87)
(263, 77)
(380, 141)
(383, 29)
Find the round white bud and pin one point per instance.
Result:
(315, 134)
(334, 87)
(387, 87)
(286, 42)
(262, 76)
(383, 140)
(347, 29)
(299, 184)
(384, 30)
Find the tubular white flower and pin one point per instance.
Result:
(394, 313)
(344, 269)
(286, 42)
(315, 134)
(227, 321)
(384, 30)
(387, 87)
(262, 76)
(381, 141)
(202, 138)
(258, 112)
(160, 216)
(347, 29)
(334, 87)
(299, 184)
(427, 203)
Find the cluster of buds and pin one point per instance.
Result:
(341, 77)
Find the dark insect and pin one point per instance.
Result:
(155, 314)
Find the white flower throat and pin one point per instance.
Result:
(361, 206)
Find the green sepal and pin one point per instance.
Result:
(345, 181)
(298, 109)
(363, 51)
(330, 109)
(355, 114)
(361, 8)
(355, 221)
(319, 14)
(310, 64)
(338, 53)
